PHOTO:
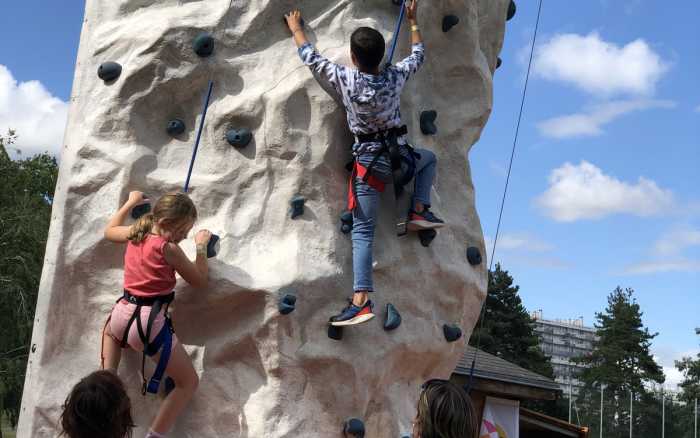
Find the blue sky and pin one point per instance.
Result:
(604, 189)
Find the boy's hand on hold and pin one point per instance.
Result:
(293, 19)
(412, 10)
(136, 198)
(202, 237)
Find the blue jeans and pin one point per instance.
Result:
(365, 215)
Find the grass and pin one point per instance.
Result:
(7, 431)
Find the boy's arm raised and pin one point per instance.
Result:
(412, 63)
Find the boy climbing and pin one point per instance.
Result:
(140, 319)
(371, 97)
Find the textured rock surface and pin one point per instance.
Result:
(263, 374)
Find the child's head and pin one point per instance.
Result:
(97, 406)
(445, 411)
(367, 47)
(174, 214)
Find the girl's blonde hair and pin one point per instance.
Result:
(172, 209)
(445, 411)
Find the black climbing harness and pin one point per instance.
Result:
(162, 342)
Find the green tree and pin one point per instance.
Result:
(622, 362)
(507, 331)
(25, 200)
(690, 392)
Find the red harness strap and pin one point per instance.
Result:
(359, 171)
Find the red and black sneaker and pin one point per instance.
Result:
(353, 314)
(425, 220)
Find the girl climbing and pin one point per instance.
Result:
(140, 319)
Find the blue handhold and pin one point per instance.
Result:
(511, 10)
(346, 222)
(393, 318)
(239, 137)
(448, 22)
(297, 203)
(355, 427)
(175, 127)
(213, 246)
(169, 385)
(335, 333)
(140, 210)
(427, 122)
(109, 71)
(499, 61)
(473, 255)
(452, 332)
(203, 44)
(426, 237)
(287, 304)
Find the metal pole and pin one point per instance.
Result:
(569, 399)
(631, 416)
(601, 409)
(696, 418)
(663, 413)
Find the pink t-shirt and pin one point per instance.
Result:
(146, 272)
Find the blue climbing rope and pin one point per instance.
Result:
(396, 32)
(199, 135)
(505, 191)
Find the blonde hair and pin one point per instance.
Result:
(445, 411)
(170, 210)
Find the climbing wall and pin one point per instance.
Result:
(263, 373)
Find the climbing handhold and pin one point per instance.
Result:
(335, 333)
(287, 304)
(140, 209)
(473, 255)
(511, 10)
(354, 427)
(109, 71)
(239, 137)
(448, 22)
(427, 122)
(213, 246)
(203, 44)
(499, 61)
(175, 127)
(346, 222)
(426, 237)
(297, 203)
(397, 2)
(169, 385)
(393, 318)
(452, 332)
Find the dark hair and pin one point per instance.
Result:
(97, 406)
(445, 411)
(368, 47)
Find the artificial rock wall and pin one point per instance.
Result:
(262, 374)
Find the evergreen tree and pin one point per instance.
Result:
(26, 197)
(690, 392)
(622, 362)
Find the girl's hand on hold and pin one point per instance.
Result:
(202, 237)
(136, 198)
(293, 19)
(412, 10)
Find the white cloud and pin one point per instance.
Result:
(585, 192)
(663, 266)
(526, 249)
(667, 254)
(591, 122)
(666, 356)
(675, 241)
(521, 241)
(38, 117)
(600, 67)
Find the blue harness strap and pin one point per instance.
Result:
(164, 343)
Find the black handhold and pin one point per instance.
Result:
(140, 210)
(448, 22)
(473, 255)
(287, 304)
(346, 222)
(335, 333)
(426, 237)
(511, 10)
(213, 246)
(109, 71)
(169, 385)
(427, 122)
(239, 138)
(203, 44)
(397, 2)
(393, 318)
(354, 427)
(33, 348)
(175, 127)
(297, 203)
(499, 61)
(452, 332)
